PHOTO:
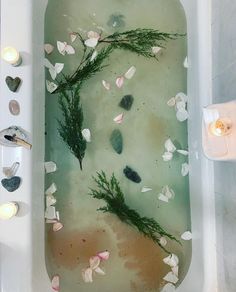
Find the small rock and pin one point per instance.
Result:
(116, 140)
(11, 184)
(126, 102)
(132, 175)
(13, 83)
(14, 107)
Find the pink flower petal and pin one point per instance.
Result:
(73, 36)
(57, 226)
(119, 119)
(56, 283)
(87, 275)
(120, 81)
(93, 35)
(94, 262)
(104, 255)
(99, 271)
(106, 85)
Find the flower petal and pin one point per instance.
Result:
(51, 190)
(93, 35)
(182, 115)
(69, 50)
(99, 271)
(55, 283)
(50, 166)
(94, 262)
(91, 43)
(50, 213)
(186, 64)
(73, 36)
(185, 169)
(163, 241)
(167, 156)
(119, 119)
(145, 189)
(172, 260)
(180, 105)
(183, 152)
(171, 102)
(94, 56)
(48, 48)
(181, 97)
(104, 255)
(175, 270)
(87, 275)
(86, 135)
(130, 73)
(120, 81)
(163, 198)
(106, 85)
(168, 192)
(51, 87)
(170, 147)
(61, 47)
(168, 288)
(187, 235)
(50, 200)
(171, 277)
(57, 226)
(156, 50)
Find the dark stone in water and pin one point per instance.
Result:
(126, 102)
(11, 184)
(116, 140)
(132, 175)
(116, 21)
(13, 83)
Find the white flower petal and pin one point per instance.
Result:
(50, 200)
(104, 255)
(69, 50)
(50, 213)
(93, 35)
(91, 43)
(171, 102)
(87, 275)
(61, 46)
(168, 192)
(87, 135)
(119, 119)
(163, 198)
(170, 147)
(58, 215)
(73, 36)
(51, 87)
(56, 283)
(180, 105)
(167, 156)
(171, 277)
(48, 48)
(186, 64)
(94, 262)
(187, 235)
(106, 85)
(51, 190)
(145, 189)
(172, 260)
(168, 288)
(181, 97)
(99, 271)
(94, 56)
(156, 50)
(175, 270)
(163, 241)
(57, 226)
(50, 166)
(182, 115)
(120, 81)
(130, 73)
(185, 169)
(183, 152)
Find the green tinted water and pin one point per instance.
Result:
(135, 263)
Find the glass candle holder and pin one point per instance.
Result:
(8, 210)
(11, 56)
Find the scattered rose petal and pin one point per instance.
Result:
(48, 48)
(94, 56)
(50, 200)
(171, 277)
(64, 48)
(168, 192)
(145, 189)
(51, 86)
(104, 255)
(186, 64)
(185, 169)
(94, 262)
(156, 50)
(170, 147)
(182, 115)
(99, 271)
(175, 270)
(167, 156)
(87, 135)
(57, 226)
(51, 190)
(168, 288)
(58, 215)
(50, 166)
(119, 119)
(93, 35)
(183, 152)
(91, 43)
(87, 275)
(56, 283)
(187, 235)
(163, 241)
(171, 102)
(172, 260)
(180, 105)
(181, 97)
(73, 36)
(163, 198)
(106, 85)
(50, 213)
(120, 81)
(130, 73)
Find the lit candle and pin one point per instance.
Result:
(221, 127)
(11, 56)
(8, 210)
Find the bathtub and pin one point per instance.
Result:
(22, 238)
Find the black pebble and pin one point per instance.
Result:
(127, 102)
(131, 174)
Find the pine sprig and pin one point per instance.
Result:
(70, 129)
(111, 193)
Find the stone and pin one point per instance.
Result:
(127, 102)
(11, 184)
(13, 83)
(116, 140)
(14, 107)
(131, 174)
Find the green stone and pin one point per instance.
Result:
(13, 83)
(127, 102)
(132, 174)
(116, 140)
(11, 184)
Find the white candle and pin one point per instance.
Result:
(11, 56)
(8, 210)
(221, 127)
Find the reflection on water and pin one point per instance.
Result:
(135, 262)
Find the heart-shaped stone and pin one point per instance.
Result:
(13, 83)
(11, 184)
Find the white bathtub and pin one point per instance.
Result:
(22, 238)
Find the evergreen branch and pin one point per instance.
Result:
(70, 129)
(111, 193)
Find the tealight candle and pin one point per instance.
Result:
(11, 56)
(221, 127)
(8, 210)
